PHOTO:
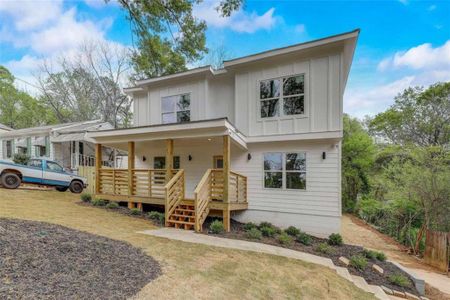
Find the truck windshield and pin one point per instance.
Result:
(52, 166)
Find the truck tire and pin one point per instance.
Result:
(62, 188)
(76, 187)
(10, 180)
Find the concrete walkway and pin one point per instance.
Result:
(192, 237)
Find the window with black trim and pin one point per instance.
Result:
(284, 96)
(159, 162)
(285, 170)
(176, 109)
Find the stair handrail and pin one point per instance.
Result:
(202, 198)
(174, 194)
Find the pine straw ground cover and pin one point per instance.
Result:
(189, 271)
(41, 260)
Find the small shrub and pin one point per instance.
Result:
(285, 239)
(216, 227)
(112, 205)
(250, 226)
(265, 224)
(381, 256)
(358, 261)
(157, 216)
(335, 239)
(292, 231)
(98, 202)
(86, 197)
(21, 158)
(324, 248)
(135, 211)
(304, 239)
(370, 254)
(268, 231)
(399, 280)
(253, 234)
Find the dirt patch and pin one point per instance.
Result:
(46, 261)
(372, 277)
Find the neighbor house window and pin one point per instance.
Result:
(159, 162)
(283, 96)
(176, 109)
(8, 149)
(41, 151)
(285, 170)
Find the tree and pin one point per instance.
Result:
(89, 86)
(168, 35)
(357, 158)
(420, 117)
(17, 108)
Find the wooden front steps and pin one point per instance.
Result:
(182, 217)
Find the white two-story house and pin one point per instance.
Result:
(258, 140)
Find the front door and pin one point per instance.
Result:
(218, 162)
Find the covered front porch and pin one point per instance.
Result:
(184, 167)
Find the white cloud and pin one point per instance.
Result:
(240, 21)
(421, 57)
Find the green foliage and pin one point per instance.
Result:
(157, 216)
(324, 248)
(86, 197)
(370, 254)
(357, 158)
(268, 231)
(369, 209)
(253, 233)
(285, 239)
(21, 158)
(135, 211)
(335, 239)
(304, 238)
(216, 227)
(112, 205)
(98, 202)
(265, 224)
(292, 231)
(358, 261)
(250, 226)
(381, 256)
(399, 280)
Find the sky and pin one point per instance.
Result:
(402, 42)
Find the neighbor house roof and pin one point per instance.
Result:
(4, 127)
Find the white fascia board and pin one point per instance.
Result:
(337, 135)
(206, 69)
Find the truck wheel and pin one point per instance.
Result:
(11, 180)
(76, 187)
(62, 188)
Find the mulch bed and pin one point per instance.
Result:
(372, 277)
(45, 261)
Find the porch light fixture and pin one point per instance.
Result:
(144, 158)
(209, 140)
(324, 155)
(249, 156)
(189, 157)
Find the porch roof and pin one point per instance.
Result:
(193, 129)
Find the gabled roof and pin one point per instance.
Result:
(4, 127)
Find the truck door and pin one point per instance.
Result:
(54, 174)
(33, 172)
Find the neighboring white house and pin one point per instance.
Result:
(277, 114)
(64, 143)
(4, 128)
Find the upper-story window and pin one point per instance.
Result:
(284, 96)
(176, 109)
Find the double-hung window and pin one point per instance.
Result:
(284, 96)
(176, 109)
(285, 170)
(159, 162)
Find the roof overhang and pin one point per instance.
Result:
(194, 129)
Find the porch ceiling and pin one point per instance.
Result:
(119, 138)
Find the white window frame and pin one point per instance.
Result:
(281, 98)
(176, 110)
(283, 171)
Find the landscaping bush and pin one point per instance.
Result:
(358, 261)
(135, 211)
(112, 205)
(370, 254)
(304, 238)
(250, 226)
(157, 216)
(335, 239)
(21, 158)
(86, 197)
(265, 224)
(216, 227)
(253, 234)
(292, 231)
(399, 280)
(285, 239)
(324, 248)
(98, 202)
(268, 231)
(381, 256)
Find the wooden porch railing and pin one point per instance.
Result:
(114, 181)
(174, 194)
(202, 198)
(237, 188)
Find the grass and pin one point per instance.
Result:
(196, 271)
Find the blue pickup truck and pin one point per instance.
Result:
(40, 172)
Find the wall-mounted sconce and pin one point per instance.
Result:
(144, 158)
(249, 156)
(190, 157)
(324, 155)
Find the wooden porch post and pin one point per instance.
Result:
(98, 166)
(131, 166)
(226, 177)
(169, 159)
